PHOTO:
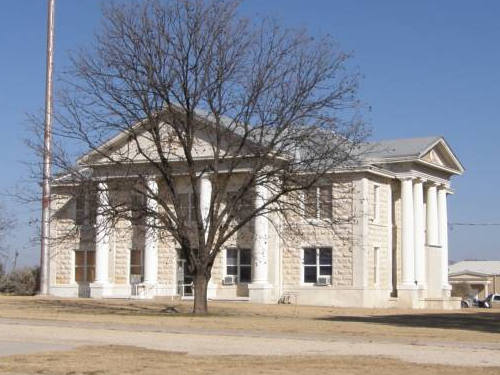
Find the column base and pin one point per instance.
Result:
(260, 293)
(211, 290)
(101, 290)
(409, 296)
(143, 291)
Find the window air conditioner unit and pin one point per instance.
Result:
(229, 280)
(324, 280)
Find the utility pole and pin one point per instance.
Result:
(47, 140)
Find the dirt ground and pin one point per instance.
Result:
(126, 360)
(123, 336)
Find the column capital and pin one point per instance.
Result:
(406, 178)
(419, 180)
(430, 183)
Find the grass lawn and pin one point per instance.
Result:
(414, 327)
(123, 360)
(471, 325)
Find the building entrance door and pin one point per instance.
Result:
(184, 279)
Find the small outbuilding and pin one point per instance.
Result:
(479, 277)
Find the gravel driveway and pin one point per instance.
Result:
(19, 336)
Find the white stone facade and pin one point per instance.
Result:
(387, 247)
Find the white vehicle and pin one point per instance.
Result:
(493, 301)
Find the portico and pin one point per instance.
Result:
(424, 238)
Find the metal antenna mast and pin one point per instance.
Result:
(47, 139)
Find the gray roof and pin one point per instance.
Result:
(396, 148)
(489, 267)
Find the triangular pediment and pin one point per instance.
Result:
(440, 155)
(468, 275)
(137, 145)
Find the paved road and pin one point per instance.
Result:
(18, 336)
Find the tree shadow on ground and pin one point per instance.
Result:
(480, 321)
(83, 306)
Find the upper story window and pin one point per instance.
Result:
(80, 210)
(318, 265)
(318, 202)
(85, 208)
(239, 264)
(186, 201)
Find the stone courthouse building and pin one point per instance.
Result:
(393, 253)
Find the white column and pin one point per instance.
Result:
(102, 235)
(151, 235)
(390, 259)
(205, 197)
(432, 230)
(419, 234)
(407, 230)
(261, 237)
(443, 234)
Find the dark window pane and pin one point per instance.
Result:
(92, 201)
(184, 206)
(325, 270)
(325, 202)
(310, 274)
(90, 274)
(325, 256)
(310, 256)
(193, 208)
(232, 257)
(80, 209)
(245, 274)
(90, 258)
(79, 272)
(136, 270)
(232, 270)
(79, 258)
(135, 257)
(245, 257)
(311, 203)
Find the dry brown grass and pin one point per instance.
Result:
(466, 325)
(125, 360)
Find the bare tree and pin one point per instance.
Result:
(277, 105)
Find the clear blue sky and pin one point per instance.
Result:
(430, 68)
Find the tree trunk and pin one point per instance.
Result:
(200, 293)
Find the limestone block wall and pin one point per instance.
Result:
(64, 238)
(167, 260)
(122, 243)
(338, 236)
(379, 231)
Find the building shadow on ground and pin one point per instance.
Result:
(480, 321)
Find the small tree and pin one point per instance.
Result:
(276, 103)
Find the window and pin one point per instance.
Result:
(318, 203)
(317, 263)
(187, 206)
(136, 266)
(84, 266)
(376, 203)
(85, 208)
(239, 264)
(80, 209)
(243, 206)
(376, 265)
(137, 208)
